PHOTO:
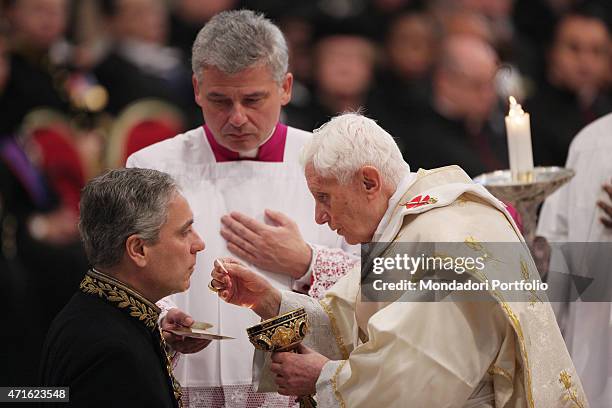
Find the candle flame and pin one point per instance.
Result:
(515, 108)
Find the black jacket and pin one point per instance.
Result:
(106, 356)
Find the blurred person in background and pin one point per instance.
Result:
(404, 86)
(461, 17)
(573, 92)
(43, 79)
(42, 260)
(188, 16)
(37, 59)
(463, 125)
(343, 73)
(498, 14)
(491, 21)
(12, 284)
(534, 19)
(139, 64)
(464, 22)
(298, 30)
(411, 45)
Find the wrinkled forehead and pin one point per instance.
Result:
(316, 181)
(312, 175)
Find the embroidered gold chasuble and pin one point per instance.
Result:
(496, 353)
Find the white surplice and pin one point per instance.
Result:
(571, 216)
(213, 190)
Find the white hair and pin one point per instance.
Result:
(350, 141)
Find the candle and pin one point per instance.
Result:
(519, 143)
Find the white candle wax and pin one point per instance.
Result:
(519, 142)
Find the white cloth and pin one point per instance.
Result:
(464, 353)
(213, 190)
(571, 216)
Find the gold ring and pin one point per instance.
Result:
(211, 287)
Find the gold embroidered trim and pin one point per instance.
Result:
(533, 298)
(334, 383)
(495, 370)
(519, 331)
(336, 330)
(473, 244)
(122, 296)
(176, 386)
(566, 380)
(477, 246)
(524, 270)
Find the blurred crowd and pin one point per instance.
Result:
(85, 83)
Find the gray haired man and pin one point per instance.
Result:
(241, 170)
(105, 344)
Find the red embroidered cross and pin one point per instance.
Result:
(419, 201)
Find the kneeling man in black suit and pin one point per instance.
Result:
(106, 344)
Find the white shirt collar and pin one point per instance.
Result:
(253, 153)
(402, 186)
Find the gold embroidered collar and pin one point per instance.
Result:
(122, 296)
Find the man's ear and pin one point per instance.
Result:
(286, 88)
(196, 89)
(136, 251)
(370, 180)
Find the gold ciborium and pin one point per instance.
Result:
(282, 333)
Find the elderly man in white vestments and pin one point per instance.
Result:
(495, 353)
(240, 173)
(576, 221)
